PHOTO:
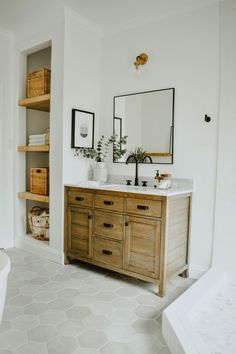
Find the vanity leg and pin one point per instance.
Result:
(66, 259)
(162, 288)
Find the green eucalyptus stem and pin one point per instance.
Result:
(101, 151)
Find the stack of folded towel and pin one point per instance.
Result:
(39, 139)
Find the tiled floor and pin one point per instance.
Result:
(80, 309)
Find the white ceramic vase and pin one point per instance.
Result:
(100, 172)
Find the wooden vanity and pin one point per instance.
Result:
(145, 236)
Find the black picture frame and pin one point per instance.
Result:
(82, 129)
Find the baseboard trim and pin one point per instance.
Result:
(40, 248)
(196, 271)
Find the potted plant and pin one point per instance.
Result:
(140, 155)
(100, 153)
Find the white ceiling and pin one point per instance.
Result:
(110, 15)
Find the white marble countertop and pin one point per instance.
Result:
(132, 189)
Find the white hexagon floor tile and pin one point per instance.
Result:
(97, 322)
(5, 326)
(80, 309)
(42, 333)
(92, 339)
(12, 339)
(32, 348)
(70, 328)
(52, 317)
(25, 322)
(62, 345)
(116, 348)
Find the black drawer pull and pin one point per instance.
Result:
(108, 202)
(126, 223)
(80, 199)
(143, 207)
(89, 217)
(107, 225)
(106, 252)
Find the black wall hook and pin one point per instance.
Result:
(207, 118)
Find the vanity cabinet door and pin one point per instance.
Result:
(79, 233)
(142, 246)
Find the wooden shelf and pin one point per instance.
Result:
(36, 197)
(158, 154)
(39, 103)
(35, 148)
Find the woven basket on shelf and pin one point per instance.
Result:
(39, 223)
(38, 82)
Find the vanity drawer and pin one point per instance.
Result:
(144, 207)
(109, 202)
(76, 197)
(108, 252)
(109, 225)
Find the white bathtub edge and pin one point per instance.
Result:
(176, 328)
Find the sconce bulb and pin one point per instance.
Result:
(141, 59)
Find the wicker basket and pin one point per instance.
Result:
(39, 180)
(38, 82)
(39, 223)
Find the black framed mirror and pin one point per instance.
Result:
(147, 118)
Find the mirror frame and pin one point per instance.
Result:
(172, 126)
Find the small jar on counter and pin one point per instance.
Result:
(164, 181)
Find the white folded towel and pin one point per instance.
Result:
(37, 136)
(36, 144)
(39, 139)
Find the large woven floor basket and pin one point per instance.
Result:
(39, 223)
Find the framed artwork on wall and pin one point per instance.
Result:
(82, 129)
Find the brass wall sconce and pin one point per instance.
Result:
(141, 59)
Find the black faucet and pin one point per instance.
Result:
(147, 157)
(133, 157)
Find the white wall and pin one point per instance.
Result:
(183, 53)
(224, 250)
(6, 140)
(81, 86)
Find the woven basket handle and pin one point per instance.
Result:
(36, 208)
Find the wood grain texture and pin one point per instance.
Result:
(80, 198)
(35, 197)
(39, 103)
(151, 244)
(108, 252)
(158, 154)
(109, 225)
(79, 232)
(142, 239)
(36, 148)
(178, 234)
(143, 207)
(109, 202)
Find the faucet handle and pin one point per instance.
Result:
(144, 183)
(128, 182)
